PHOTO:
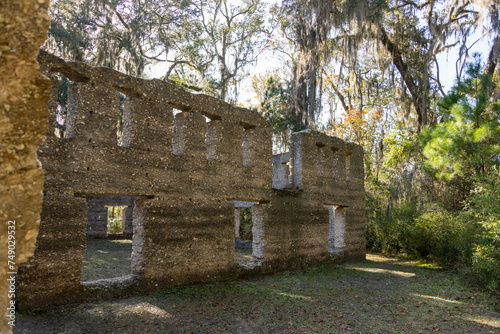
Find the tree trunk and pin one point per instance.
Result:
(305, 83)
(418, 90)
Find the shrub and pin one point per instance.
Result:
(483, 206)
(391, 233)
(444, 237)
(486, 259)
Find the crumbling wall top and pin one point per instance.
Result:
(155, 89)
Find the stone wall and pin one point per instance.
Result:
(187, 161)
(327, 182)
(23, 123)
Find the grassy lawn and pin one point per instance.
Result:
(242, 256)
(106, 258)
(379, 295)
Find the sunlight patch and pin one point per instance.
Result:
(439, 299)
(483, 320)
(384, 271)
(146, 308)
(385, 259)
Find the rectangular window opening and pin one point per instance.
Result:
(337, 174)
(247, 147)
(116, 221)
(125, 121)
(282, 171)
(320, 154)
(347, 165)
(211, 140)
(67, 96)
(287, 174)
(179, 140)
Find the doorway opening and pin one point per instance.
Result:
(249, 234)
(336, 230)
(113, 238)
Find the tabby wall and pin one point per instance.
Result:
(324, 182)
(23, 123)
(185, 171)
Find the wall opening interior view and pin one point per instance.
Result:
(113, 238)
(282, 171)
(180, 128)
(249, 233)
(347, 165)
(125, 120)
(211, 140)
(116, 221)
(247, 147)
(336, 234)
(67, 96)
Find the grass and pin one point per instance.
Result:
(243, 256)
(378, 295)
(105, 258)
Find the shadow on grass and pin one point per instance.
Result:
(379, 295)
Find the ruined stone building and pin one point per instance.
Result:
(182, 165)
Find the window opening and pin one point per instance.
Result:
(67, 93)
(179, 140)
(337, 175)
(211, 140)
(124, 123)
(247, 147)
(116, 224)
(347, 165)
(320, 153)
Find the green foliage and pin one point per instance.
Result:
(467, 239)
(466, 144)
(273, 108)
(115, 219)
(392, 232)
(483, 207)
(486, 259)
(400, 145)
(432, 234)
(246, 224)
(444, 237)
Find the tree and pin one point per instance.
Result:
(308, 25)
(274, 107)
(362, 101)
(122, 34)
(223, 42)
(466, 144)
(414, 43)
(410, 33)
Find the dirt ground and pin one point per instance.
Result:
(378, 295)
